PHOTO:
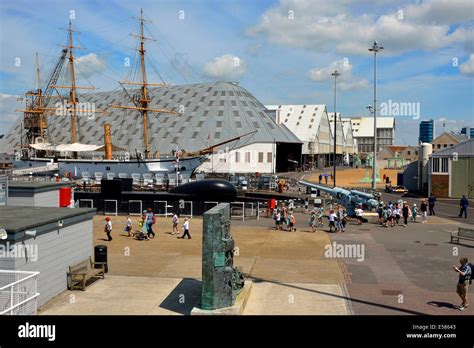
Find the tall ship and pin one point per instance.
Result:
(40, 152)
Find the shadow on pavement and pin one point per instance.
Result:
(184, 297)
(441, 304)
(351, 299)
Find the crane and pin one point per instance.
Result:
(34, 121)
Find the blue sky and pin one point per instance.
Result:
(285, 50)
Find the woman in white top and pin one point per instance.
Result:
(175, 224)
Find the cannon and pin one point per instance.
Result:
(348, 198)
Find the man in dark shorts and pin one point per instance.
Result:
(462, 287)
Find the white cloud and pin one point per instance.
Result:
(467, 68)
(225, 67)
(346, 81)
(89, 65)
(318, 25)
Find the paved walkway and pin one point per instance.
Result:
(289, 273)
(402, 271)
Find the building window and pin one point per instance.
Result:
(269, 157)
(435, 168)
(237, 157)
(247, 157)
(444, 165)
(260, 157)
(408, 152)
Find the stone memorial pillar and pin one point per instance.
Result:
(221, 282)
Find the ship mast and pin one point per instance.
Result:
(143, 103)
(73, 100)
(40, 100)
(144, 100)
(34, 119)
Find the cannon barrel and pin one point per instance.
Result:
(331, 191)
(362, 194)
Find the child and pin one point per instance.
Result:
(175, 224)
(312, 221)
(319, 215)
(278, 220)
(414, 212)
(385, 216)
(397, 213)
(292, 222)
(185, 229)
(128, 226)
(108, 228)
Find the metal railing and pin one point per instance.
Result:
(18, 292)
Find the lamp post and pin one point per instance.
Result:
(335, 74)
(375, 48)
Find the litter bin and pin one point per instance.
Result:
(100, 255)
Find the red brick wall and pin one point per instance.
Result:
(440, 185)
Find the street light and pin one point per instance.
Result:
(335, 74)
(375, 48)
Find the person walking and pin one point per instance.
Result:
(174, 221)
(463, 204)
(320, 177)
(326, 178)
(292, 222)
(185, 229)
(344, 219)
(150, 221)
(423, 209)
(319, 216)
(359, 215)
(462, 288)
(405, 213)
(277, 218)
(397, 213)
(284, 216)
(385, 217)
(380, 213)
(312, 221)
(431, 204)
(306, 204)
(108, 228)
(332, 220)
(414, 212)
(128, 226)
(339, 220)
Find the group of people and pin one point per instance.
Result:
(316, 218)
(337, 219)
(390, 214)
(145, 226)
(284, 216)
(325, 176)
